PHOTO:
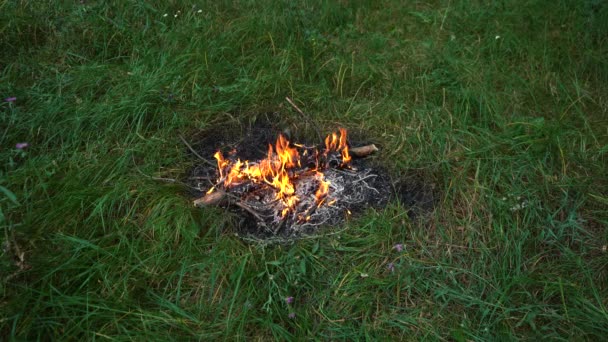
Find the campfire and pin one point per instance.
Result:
(278, 188)
(296, 187)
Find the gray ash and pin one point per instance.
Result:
(350, 191)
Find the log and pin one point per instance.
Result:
(362, 151)
(214, 198)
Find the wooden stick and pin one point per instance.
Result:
(363, 151)
(306, 117)
(214, 198)
(252, 212)
(196, 153)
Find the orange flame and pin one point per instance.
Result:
(322, 191)
(221, 162)
(275, 169)
(344, 147)
(335, 143)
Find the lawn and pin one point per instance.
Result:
(500, 106)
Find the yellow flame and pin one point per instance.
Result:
(274, 170)
(335, 143)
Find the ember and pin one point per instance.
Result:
(295, 186)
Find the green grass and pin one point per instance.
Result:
(496, 102)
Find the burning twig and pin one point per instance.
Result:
(214, 198)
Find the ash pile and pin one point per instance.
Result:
(296, 189)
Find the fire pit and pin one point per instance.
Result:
(296, 188)
(293, 188)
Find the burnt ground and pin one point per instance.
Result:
(417, 195)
